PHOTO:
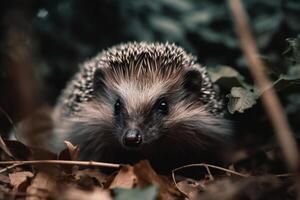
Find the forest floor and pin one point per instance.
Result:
(257, 176)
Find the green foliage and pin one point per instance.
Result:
(243, 95)
(287, 81)
(240, 99)
(291, 79)
(227, 77)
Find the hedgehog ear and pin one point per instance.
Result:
(99, 82)
(193, 81)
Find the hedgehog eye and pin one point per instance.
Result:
(163, 107)
(117, 107)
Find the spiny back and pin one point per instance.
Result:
(145, 63)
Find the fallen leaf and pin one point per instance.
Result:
(73, 150)
(4, 179)
(147, 176)
(99, 179)
(76, 194)
(17, 178)
(69, 153)
(141, 175)
(191, 187)
(41, 187)
(265, 187)
(125, 178)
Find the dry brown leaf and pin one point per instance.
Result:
(69, 153)
(191, 187)
(141, 176)
(18, 178)
(76, 194)
(147, 176)
(41, 187)
(125, 178)
(98, 177)
(73, 150)
(265, 187)
(4, 179)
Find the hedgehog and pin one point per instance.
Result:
(142, 100)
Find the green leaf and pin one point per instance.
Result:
(285, 82)
(149, 193)
(227, 77)
(240, 99)
(293, 51)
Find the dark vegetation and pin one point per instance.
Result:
(42, 42)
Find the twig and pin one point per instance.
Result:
(269, 97)
(8, 168)
(206, 166)
(209, 166)
(14, 164)
(286, 175)
(211, 177)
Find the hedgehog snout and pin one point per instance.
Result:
(132, 138)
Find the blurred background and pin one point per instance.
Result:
(43, 41)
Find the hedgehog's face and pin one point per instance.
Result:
(150, 105)
(136, 127)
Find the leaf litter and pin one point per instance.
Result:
(140, 181)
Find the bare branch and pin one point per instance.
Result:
(269, 97)
(14, 164)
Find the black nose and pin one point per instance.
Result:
(132, 138)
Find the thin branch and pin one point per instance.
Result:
(211, 177)
(206, 166)
(210, 166)
(286, 175)
(9, 167)
(14, 164)
(269, 97)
